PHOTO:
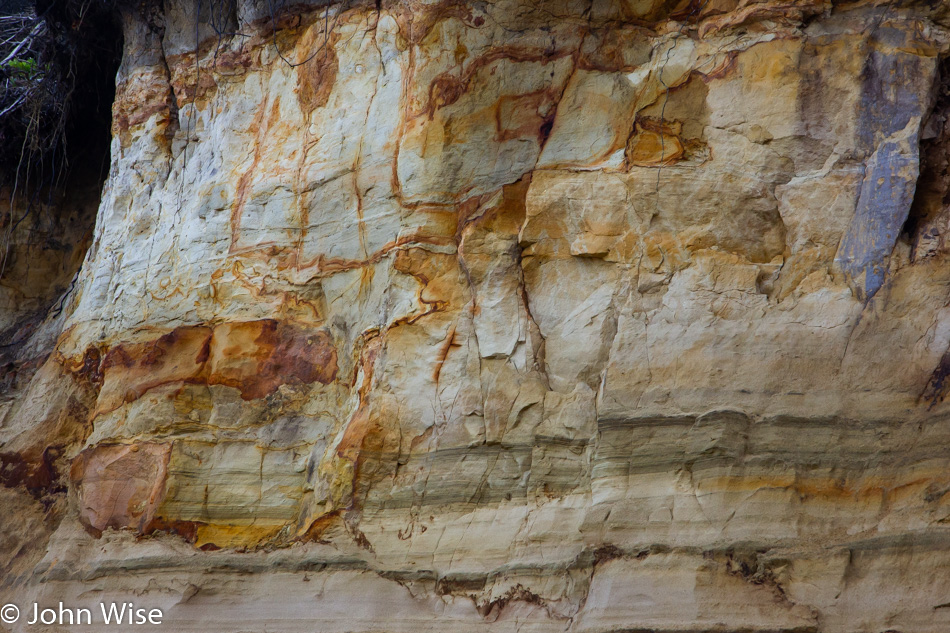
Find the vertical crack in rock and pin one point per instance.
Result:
(891, 114)
(928, 221)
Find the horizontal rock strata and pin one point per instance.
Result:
(515, 316)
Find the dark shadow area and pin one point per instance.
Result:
(56, 91)
(928, 223)
(58, 63)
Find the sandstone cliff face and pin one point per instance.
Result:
(515, 316)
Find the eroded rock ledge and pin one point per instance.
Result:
(528, 316)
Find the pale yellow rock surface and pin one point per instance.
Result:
(512, 316)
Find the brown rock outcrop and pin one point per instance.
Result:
(586, 316)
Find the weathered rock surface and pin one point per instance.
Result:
(513, 316)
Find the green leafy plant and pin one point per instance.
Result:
(28, 68)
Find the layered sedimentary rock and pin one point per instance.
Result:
(513, 316)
